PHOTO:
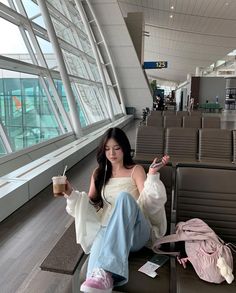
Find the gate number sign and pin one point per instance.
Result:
(155, 64)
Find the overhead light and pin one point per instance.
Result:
(172, 7)
(171, 15)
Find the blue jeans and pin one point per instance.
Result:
(127, 230)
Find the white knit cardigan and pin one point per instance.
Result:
(152, 200)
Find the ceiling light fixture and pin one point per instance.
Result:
(171, 15)
(172, 7)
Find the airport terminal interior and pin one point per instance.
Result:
(164, 71)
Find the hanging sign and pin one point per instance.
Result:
(155, 64)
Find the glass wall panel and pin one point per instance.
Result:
(11, 45)
(2, 148)
(94, 69)
(60, 6)
(87, 47)
(31, 8)
(115, 104)
(47, 51)
(75, 65)
(26, 112)
(91, 105)
(69, 12)
(33, 12)
(91, 98)
(25, 108)
(108, 80)
(82, 113)
(62, 95)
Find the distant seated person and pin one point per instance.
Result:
(160, 106)
(155, 105)
(191, 104)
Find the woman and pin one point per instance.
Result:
(123, 212)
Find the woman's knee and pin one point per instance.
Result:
(125, 198)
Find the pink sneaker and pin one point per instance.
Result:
(99, 282)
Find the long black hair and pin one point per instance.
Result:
(104, 171)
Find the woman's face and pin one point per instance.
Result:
(113, 152)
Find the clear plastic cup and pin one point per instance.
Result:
(59, 185)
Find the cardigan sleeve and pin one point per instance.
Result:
(153, 195)
(152, 201)
(71, 201)
(87, 223)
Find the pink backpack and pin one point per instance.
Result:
(210, 256)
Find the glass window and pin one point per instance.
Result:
(26, 112)
(47, 51)
(31, 8)
(2, 148)
(75, 65)
(114, 101)
(80, 109)
(87, 104)
(14, 45)
(64, 32)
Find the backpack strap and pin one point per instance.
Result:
(166, 239)
(179, 236)
(173, 253)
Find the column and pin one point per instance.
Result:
(62, 68)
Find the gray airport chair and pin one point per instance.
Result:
(156, 121)
(168, 113)
(195, 113)
(215, 145)
(234, 146)
(172, 121)
(149, 143)
(181, 144)
(156, 113)
(182, 113)
(211, 122)
(192, 121)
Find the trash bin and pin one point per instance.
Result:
(130, 110)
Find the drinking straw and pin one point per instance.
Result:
(64, 170)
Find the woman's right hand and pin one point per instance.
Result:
(69, 188)
(157, 165)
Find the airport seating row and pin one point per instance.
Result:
(193, 191)
(177, 113)
(184, 121)
(193, 145)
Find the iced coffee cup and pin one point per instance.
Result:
(59, 185)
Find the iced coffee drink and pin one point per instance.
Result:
(59, 185)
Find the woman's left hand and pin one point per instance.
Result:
(157, 164)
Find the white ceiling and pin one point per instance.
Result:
(200, 33)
